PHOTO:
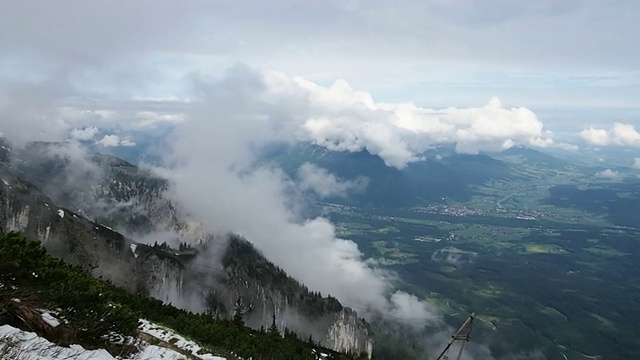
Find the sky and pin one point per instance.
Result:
(572, 62)
(393, 78)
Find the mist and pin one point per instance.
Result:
(215, 180)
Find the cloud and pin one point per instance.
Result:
(343, 119)
(325, 184)
(619, 134)
(84, 134)
(636, 164)
(127, 143)
(464, 55)
(151, 118)
(214, 179)
(608, 174)
(114, 141)
(110, 141)
(337, 117)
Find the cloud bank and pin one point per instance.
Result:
(215, 181)
(325, 184)
(343, 119)
(114, 141)
(619, 134)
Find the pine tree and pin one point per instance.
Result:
(238, 313)
(273, 329)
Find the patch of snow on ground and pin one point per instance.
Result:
(61, 213)
(168, 335)
(133, 249)
(29, 346)
(49, 319)
(24, 345)
(5, 182)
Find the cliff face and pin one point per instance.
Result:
(232, 277)
(65, 234)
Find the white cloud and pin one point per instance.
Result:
(608, 174)
(566, 146)
(84, 134)
(215, 180)
(127, 143)
(620, 134)
(342, 119)
(636, 164)
(110, 141)
(114, 141)
(595, 136)
(325, 184)
(151, 118)
(625, 134)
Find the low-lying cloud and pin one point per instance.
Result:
(608, 174)
(336, 117)
(325, 184)
(215, 180)
(114, 141)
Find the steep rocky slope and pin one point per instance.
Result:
(217, 274)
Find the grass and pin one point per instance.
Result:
(393, 255)
(603, 250)
(544, 249)
(441, 303)
(355, 225)
(547, 310)
(419, 221)
(490, 320)
(388, 230)
(472, 231)
(604, 321)
(489, 292)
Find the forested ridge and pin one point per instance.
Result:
(92, 308)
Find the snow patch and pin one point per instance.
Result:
(61, 213)
(168, 335)
(5, 182)
(49, 319)
(133, 249)
(19, 344)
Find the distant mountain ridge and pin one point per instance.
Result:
(442, 174)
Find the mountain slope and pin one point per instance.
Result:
(116, 193)
(449, 176)
(97, 314)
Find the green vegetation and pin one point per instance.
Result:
(544, 249)
(605, 251)
(393, 255)
(547, 282)
(93, 307)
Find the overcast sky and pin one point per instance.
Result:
(546, 53)
(573, 62)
